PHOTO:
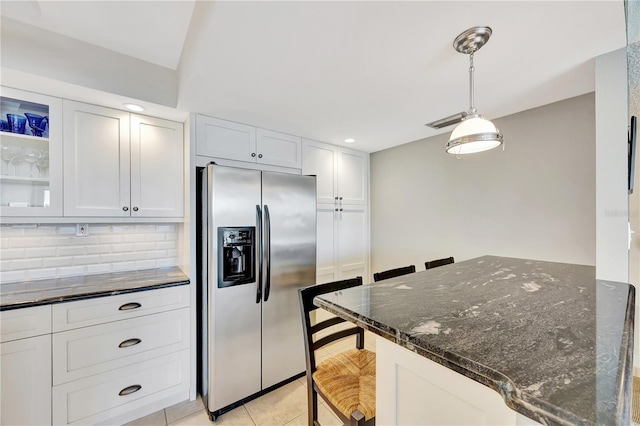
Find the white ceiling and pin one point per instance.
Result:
(374, 71)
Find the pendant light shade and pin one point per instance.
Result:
(474, 133)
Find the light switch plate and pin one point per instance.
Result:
(82, 230)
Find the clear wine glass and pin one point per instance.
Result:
(31, 156)
(8, 153)
(43, 163)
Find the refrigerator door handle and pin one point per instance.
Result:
(259, 253)
(267, 240)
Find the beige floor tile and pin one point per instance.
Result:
(154, 419)
(325, 417)
(279, 406)
(236, 417)
(303, 380)
(183, 409)
(201, 418)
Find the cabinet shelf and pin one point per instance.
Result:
(24, 179)
(12, 138)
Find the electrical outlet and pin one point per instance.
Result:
(82, 229)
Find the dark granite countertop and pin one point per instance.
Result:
(556, 343)
(44, 292)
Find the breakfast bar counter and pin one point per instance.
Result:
(548, 338)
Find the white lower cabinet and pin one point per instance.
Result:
(123, 394)
(25, 381)
(92, 350)
(119, 358)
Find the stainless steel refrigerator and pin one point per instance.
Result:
(258, 246)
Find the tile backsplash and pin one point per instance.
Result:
(54, 251)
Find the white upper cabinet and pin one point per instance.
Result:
(353, 176)
(278, 149)
(31, 150)
(96, 158)
(234, 141)
(321, 159)
(121, 165)
(342, 174)
(225, 139)
(156, 167)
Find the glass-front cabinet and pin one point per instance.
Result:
(31, 153)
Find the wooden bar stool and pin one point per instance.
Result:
(439, 262)
(391, 273)
(346, 381)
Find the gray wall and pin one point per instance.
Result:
(534, 200)
(612, 198)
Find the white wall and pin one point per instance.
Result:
(535, 200)
(44, 53)
(612, 205)
(53, 251)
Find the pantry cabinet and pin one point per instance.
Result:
(342, 242)
(31, 152)
(25, 366)
(234, 141)
(342, 173)
(342, 211)
(121, 165)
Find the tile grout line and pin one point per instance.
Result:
(249, 413)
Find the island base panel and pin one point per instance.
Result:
(413, 390)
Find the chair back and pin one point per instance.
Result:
(391, 273)
(306, 296)
(439, 262)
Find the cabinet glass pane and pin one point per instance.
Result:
(24, 151)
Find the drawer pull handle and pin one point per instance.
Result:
(129, 306)
(129, 342)
(129, 390)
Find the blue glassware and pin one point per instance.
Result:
(35, 122)
(17, 123)
(4, 125)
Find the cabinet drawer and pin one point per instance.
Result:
(26, 322)
(67, 316)
(91, 350)
(98, 398)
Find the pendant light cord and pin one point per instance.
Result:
(472, 107)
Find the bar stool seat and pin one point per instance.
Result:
(348, 380)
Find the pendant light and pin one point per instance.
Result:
(474, 133)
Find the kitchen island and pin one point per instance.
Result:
(548, 338)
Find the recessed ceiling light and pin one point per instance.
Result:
(350, 140)
(134, 107)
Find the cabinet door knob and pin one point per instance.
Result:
(341, 209)
(340, 198)
(135, 209)
(125, 208)
(336, 209)
(336, 198)
(129, 390)
(259, 155)
(253, 154)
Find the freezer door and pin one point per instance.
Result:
(289, 204)
(234, 315)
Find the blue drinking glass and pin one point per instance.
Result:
(35, 122)
(17, 123)
(4, 125)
